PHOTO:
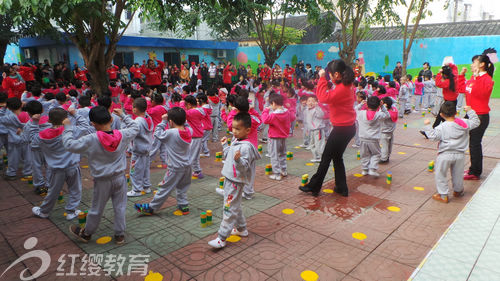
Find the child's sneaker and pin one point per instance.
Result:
(133, 193)
(79, 233)
(440, 198)
(10, 178)
(246, 196)
(147, 190)
(217, 243)
(355, 146)
(284, 174)
(144, 209)
(267, 155)
(119, 239)
(275, 177)
(471, 177)
(315, 160)
(243, 233)
(302, 146)
(72, 214)
(220, 191)
(374, 173)
(198, 175)
(364, 172)
(458, 194)
(205, 154)
(38, 212)
(184, 210)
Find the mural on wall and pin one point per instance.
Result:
(242, 58)
(320, 55)
(152, 55)
(12, 54)
(333, 49)
(295, 60)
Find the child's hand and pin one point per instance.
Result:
(467, 108)
(72, 111)
(118, 111)
(464, 70)
(427, 122)
(321, 73)
(66, 122)
(237, 155)
(19, 131)
(36, 117)
(223, 140)
(164, 117)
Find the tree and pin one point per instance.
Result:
(273, 39)
(355, 18)
(95, 26)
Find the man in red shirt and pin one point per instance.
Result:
(28, 73)
(265, 73)
(13, 83)
(135, 70)
(227, 75)
(153, 73)
(112, 72)
(288, 73)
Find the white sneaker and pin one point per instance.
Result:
(220, 191)
(284, 174)
(38, 212)
(275, 177)
(355, 146)
(72, 215)
(243, 233)
(364, 172)
(133, 194)
(247, 197)
(267, 155)
(217, 243)
(308, 148)
(204, 154)
(315, 160)
(147, 190)
(302, 146)
(374, 173)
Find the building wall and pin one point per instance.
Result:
(12, 54)
(381, 56)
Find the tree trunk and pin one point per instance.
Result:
(405, 62)
(3, 49)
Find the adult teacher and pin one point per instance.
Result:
(477, 95)
(340, 101)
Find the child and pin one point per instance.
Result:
(291, 104)
(453, 137)
(107, 103)
(139, 163)
(418, 93)
(3, 130)
(32, 127)
(279, 120)
(177, 140)
(194, 117)
(388, 127)
(214, 102)
(302, 107)
(313, 120)
(84, 102)
(238, 169)
(156, 111)
(369, 121)
(13, 120)
(207, 123)
(360, 98)
(63, 165)
(404, 95)
(429, 92)
(105, 151)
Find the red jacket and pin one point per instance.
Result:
(279, 122)
(82, 75)
(153, 75)
(340, 102)
(28, 73)
(136, 72)
(112, 72)
(448, 94)
(265, 74)
(227, 74)
(14, 87)
(288, 74)
(477, 93)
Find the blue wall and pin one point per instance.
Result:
(12, 54)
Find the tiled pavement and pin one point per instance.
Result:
(354, 238)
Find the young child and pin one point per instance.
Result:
(105, 150)
(302, 107)
(313, 119)
(3, 130)
(360, 98)
(388, 127)
(238, 169)
(207, 123)
(369, 121)
(404, 95)
(14, 119)
(177, 140)
(214, 102)
(107, 103)
(430, 91)
(279, 119)
(156, 111)
(84, 102)
(453, 137)
(141, 145)
(418, 93)
(194, 117)
(63, 165)
(291, 104)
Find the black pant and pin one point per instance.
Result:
(475, 146)
(440, 119)
(334, 150)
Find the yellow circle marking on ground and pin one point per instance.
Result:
(153, 276)
(359, 236)
(178, 213)
(85, 166)
(297, 147)
(103, 240)
(309, 275)
(358, 175)
(402, 153)
(143, 192)
(233, 239)
(65, 214)
(309, 164)
(327, 190)
(419, 188)
(159, 166)
(393, 209)
(288, 211)
(417, 144)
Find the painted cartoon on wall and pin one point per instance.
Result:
(320, 55)
(242, 58)
(152, 55)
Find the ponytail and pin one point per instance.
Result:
(448, 73)
(341, 67)
(488, 65)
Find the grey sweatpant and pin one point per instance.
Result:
(139, 172)
(215, 129)
(232, 213)
(114, 187)
(277, 151)
(37, 167)
(386, 141)
(248, 189)
(71, 176)
(180, 180)
(158, 146)
(195, 154)
(305, 135)
(402, 107)
(317, 143)
(370, 154)
(454, 162)
(356, 136)
(15, 154)
(204, 142)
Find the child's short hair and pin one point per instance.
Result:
(33, 107)
(373, 102)
(176, 97)
(57, 116)
(14, 103)
(177, 115)
(3, 97)
(61, 97)
(162, 89)
(191, 100)
(48, 96)
(202, 98)
(303, 98)
(244, 118)
(276, 98)
(157, 98)
(112, 84)
(36, 91)
(84, 101)
(211, 92)
(135, 94)
(388, 102)
(99, 115)
(104, 101)
(392, 84)
(230, 100)
(243, 93)
(73, 93)
(361, 95)
(381, 89)
(449, 109)
(141, 104)
(312, 97)
(419, 78)
(241, 103)
(186, 89)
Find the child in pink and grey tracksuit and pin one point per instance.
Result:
(207, 123)
(279, 120)
(194, 117)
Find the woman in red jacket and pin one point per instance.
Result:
(340, 101)
(449, 81)
(81, 74)
(227, 75)
(153, 73)
(13, 83)
(477, 95)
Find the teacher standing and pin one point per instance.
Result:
(340, 101)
